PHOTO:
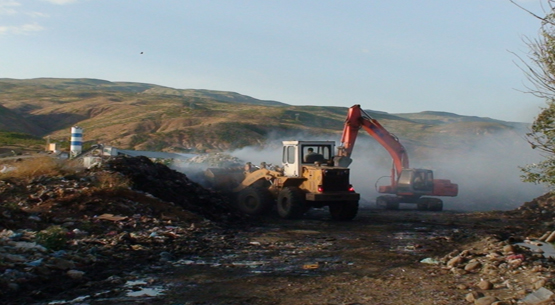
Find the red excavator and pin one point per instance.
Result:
(408, 185)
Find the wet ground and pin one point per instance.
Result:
(375, 259)
(136, 232)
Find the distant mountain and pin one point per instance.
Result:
(145, 116)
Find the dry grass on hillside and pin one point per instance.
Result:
(41, 166)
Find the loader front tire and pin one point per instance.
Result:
(291, 203)
(254, 200)
(343, 211)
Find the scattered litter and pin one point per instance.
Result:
(311, 266)
(429, 260)
(111, 217)
(538, 297)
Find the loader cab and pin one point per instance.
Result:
(418, 181)
(299, 153)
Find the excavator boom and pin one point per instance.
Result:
(407, 184)
(357, 118)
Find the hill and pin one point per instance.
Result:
(152, 117)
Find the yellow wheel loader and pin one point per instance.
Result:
(308, 178)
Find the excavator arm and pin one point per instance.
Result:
(357, 118)
(403, 179)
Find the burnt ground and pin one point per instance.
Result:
(76, 239)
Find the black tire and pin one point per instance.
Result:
(291, 203)
(422, 205)
(344, 211)
(254, 201)
(381, 202)
(435, 205)
(392, 204)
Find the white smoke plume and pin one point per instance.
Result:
(486, 168)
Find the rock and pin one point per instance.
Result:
(508, 249)
(485, 285)
(551, 237)
(62, 264)
(472, 265)
(539, 284)
(487, 300)
(455, 261)
(473, 296)
(75, 274)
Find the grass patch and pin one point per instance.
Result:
(34, 167)
(17, 138)
(53, 237)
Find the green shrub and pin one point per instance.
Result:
(53, 237)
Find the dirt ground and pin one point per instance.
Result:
(374, 259)
(185, 246)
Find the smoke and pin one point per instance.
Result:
(486, 167)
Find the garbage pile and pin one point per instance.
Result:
(64, 234)
(539, 210)
(493, 270)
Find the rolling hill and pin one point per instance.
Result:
(152, 117)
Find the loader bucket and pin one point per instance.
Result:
(224, 179)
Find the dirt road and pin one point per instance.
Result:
(375, 259)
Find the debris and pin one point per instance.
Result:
(111, 217)
(431, 261)
(538, 297)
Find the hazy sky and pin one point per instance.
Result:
(389, 55)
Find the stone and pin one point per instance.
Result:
(473, 296)
(485, 285)
(455, 261)
(539, 284)
(508, 249)
(487, 300)
(75, 274)
(473, 265)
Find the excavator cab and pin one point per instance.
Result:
(415, 182)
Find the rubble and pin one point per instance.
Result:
(61, 234)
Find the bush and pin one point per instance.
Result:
(53, 237)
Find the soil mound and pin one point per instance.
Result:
(61, 235)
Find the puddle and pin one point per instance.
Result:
(546, 249)
(413, 241)
(138, 289)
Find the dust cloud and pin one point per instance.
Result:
(486, 167)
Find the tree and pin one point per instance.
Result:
(541, 73)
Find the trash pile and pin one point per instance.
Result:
(492, 270)
(540, 211)
(514, 266)
(65, 234)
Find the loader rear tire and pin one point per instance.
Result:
(343, 211)
(254, 201)
(291, 203)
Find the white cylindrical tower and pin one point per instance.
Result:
(76, 144)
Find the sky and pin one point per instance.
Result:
(397, 56)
